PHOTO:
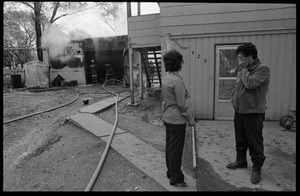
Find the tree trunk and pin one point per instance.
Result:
(38, 29)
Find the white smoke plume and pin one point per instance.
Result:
(56, 40)
(78, 34)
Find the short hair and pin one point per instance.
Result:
(247, 49)
(172, 60)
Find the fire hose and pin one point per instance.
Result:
(40, 112)
(50, 109)
(99, 166)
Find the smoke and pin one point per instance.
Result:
(56, 40)
(120, 23)
(78, 34)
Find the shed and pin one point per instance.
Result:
(207, 34)
(70, 64)
(36, 74)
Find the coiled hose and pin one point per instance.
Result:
(99, 166)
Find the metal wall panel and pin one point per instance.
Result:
(144, 31)
(210, 18)
(278, 51)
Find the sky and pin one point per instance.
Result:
(90, 21)
(88, 24)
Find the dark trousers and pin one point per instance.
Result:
(175, 136)
(248, 134)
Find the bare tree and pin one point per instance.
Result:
(18, 37)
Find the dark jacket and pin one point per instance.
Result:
(251, 87)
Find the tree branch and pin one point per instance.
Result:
(54, 12)
(109, 25)
(28, 4)
(76, 12)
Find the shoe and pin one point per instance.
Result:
(237, 164)
(256, 176)
(180, 184)
(168, 175)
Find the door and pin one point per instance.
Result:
(226, 72)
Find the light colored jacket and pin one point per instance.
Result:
(175, 103)
(251, 87)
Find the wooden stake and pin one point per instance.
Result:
(194, 148)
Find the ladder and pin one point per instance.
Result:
(151, 59)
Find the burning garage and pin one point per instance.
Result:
(107, 52)
(73, 63)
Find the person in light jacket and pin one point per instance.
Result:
(175, 115)
(249, 103)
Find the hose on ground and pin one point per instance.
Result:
(99, 166)
(54, 108)
(48, 110)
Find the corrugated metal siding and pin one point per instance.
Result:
(199, 26)
(278, 51)
(207, 18)
(170, 9)
(144, 31)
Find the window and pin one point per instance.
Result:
(146, 8)
(227, 65)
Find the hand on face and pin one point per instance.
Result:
(242, 61)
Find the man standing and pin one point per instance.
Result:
(249, 103)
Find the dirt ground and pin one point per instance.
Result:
(47, 153)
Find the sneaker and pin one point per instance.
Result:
(168, 175)
(179, 184)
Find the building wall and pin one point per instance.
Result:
(212, 18)
(195, 28)
(144, 31)
(69, 65)
(69, 74)
(277, 50)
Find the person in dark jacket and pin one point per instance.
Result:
(249, 103)
(175, 115)
(94, 71)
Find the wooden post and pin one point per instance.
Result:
(138, 8)
(194, 148)
(131, 76)
(49, 64)
(141, 76)
(128, 9)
